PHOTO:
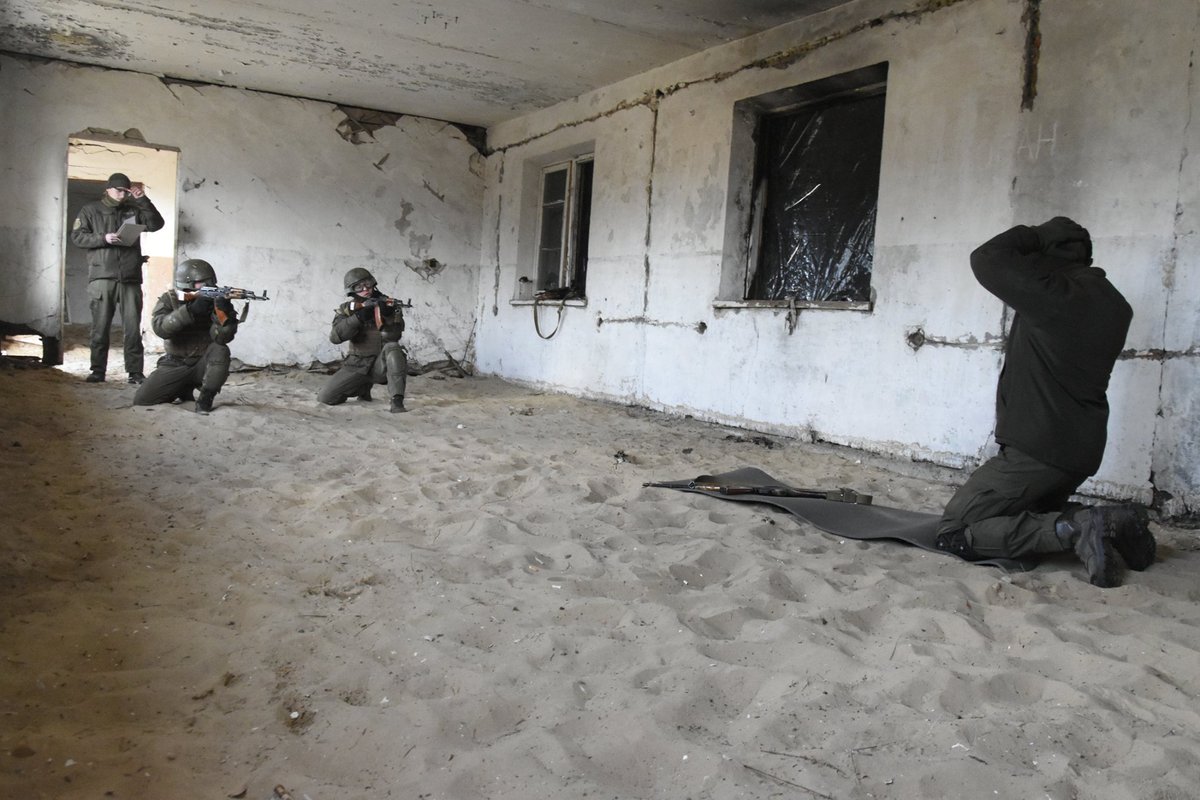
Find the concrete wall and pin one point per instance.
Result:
(1106, 140)
(276, 199)
(269, 192)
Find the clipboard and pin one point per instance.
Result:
(129, 232)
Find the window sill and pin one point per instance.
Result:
(805, 305)
(573, 302)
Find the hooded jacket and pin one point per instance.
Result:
(1067, 333)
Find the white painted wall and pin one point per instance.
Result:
(269, 193)
(1107, 142)
(276, 199)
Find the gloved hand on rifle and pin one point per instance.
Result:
(363, 311)
(224, 310)
(350, 309)
(200, 308)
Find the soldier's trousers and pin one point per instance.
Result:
(176, 376)
(105, 295)
(1009, 505)
(358, 373)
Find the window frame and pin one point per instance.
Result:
(576, 222)
(741, 250)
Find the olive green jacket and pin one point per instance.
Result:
(183, 335)
(113, 261)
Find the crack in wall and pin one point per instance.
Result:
(778, 60)
(1158, 354)
(499, 224)
(649, 206)
(698, 327)
(917, 338)
(1032, 17)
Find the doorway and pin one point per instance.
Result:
(91, 158)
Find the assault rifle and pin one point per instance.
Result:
(842, 495)
(382, 300)
(221, 293)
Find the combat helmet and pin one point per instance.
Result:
(192, 270)
(356, 276)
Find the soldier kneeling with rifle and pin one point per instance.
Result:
(196, 323)
(372, 323)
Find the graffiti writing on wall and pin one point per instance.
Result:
(1032, 144)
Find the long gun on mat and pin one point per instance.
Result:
(842, 495)
(224, 293)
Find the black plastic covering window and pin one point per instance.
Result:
(818, 180)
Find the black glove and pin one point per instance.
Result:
(225, 310)
(387, 309)
(200, 308)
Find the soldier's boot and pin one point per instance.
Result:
(204, 402)
(95, 377)
(397, 404)
(365, 395)
(1126, 527)
(1089, 532)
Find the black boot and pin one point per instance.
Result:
(956, 543)
(204, 401)
(365, 395)
(1086, 531)
(95, 377)
(1134, 541)
(397, 404)
(1126, 527)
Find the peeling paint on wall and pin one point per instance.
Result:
(420, 243)
(433, 191)
(427, 268)
(402, 224)
(83, 45)
(360, 124)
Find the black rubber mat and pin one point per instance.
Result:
(852, 520)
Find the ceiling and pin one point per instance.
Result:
(475, 62)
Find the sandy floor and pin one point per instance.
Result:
(479, 599)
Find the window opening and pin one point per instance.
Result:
(566, 209)
(817, 154)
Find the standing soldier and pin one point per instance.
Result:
(115, 269)
(372, 323)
